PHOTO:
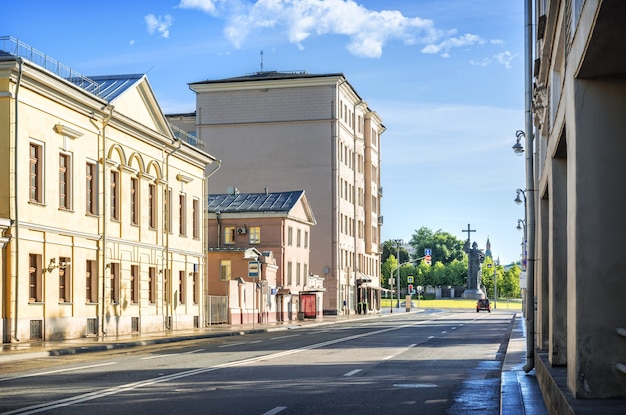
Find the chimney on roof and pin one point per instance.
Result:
(267, 191)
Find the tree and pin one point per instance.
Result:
(391, 248)
(445, 247)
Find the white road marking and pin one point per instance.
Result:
(388, 357)
(412, 345)
(284, 337)
(353, 372)
(73, 400)
(158, 356)
(275, 410)
(232, 344)
(58, 371)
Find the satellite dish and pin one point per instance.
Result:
(232, 190)
(326, 270)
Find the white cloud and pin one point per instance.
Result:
(159, 24)
(368, 31)
(446, 45)
(503, 58)
(132, 42)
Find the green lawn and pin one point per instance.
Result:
(502, 304)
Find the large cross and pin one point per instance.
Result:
(468, 235)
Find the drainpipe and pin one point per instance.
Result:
(169, 310)
(15, 246)
(334, 124)
(356, 267)
(205, 234)
(102, 212)
(530, 186)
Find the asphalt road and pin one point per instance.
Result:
(431, 362)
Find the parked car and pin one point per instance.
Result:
(483, 304)
(412, 304)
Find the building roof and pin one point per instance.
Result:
(254, 202)
(268, 75)
(112, 86)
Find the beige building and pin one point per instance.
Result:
(311, 132)
(101, 210)
(580, 268)
(259, 254)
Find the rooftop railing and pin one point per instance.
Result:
(15, 47)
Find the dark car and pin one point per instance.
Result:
(483, 304)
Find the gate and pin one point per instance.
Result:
(216, 309)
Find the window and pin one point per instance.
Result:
(289, 273)
(289, 236)
(181, 287)
(255, 234)
(90, 189)
(91, 282)
(64, 280)
(36, 173)
(134, 201)
(115, 195)
(298, 266)
(166, 285)
(195, 286)
(152, 285)
(305, 274)
(298, 238)
(115, 283)
(65, 185)
(34, 281)
(306, 239)
(195, 217)
(182, 217)
(225, 270)
(229, 235)
(152, 205)
(134, 284)
(168, 210)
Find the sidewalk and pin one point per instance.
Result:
(520, 392)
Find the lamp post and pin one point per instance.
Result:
(398, 243)
(521, 226)
(519, 201)
(495, 283)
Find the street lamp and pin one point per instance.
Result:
(495, 283)
(398, 243)
(518, 148)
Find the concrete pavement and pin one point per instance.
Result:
(520, 392)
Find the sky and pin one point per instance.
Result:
(445, 76)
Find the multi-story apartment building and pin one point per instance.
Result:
(313, 132)
(579, 263)
(277, 226)
(101, 208)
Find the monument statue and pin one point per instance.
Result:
(475, 257)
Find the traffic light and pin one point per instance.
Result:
(410, 288)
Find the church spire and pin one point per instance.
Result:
(488, 248)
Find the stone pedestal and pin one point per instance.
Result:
(473, 293)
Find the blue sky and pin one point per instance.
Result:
(446, 77)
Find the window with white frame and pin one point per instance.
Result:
(65, 181)
(36, 173)
(255, 234)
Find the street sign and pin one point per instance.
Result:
(253, 269)
(420, 289)
(427, 257)
(428, 252)
(409, 279)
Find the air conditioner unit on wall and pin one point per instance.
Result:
(241, 231)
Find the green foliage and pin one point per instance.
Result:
(449, 265)
(445, 247)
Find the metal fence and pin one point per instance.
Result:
(216, 309)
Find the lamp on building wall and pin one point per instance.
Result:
(518, 148)
(52, 265)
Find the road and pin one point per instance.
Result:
(429, 362)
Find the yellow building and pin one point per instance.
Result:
(101, 205)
